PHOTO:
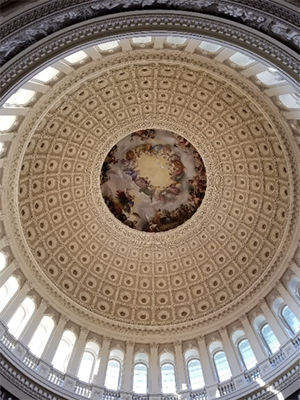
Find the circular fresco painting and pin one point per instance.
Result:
(153, 180)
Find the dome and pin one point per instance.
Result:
(150, 200)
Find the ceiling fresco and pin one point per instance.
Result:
(153, 180)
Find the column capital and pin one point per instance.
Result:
(129, 343)
(177, 343)
(63, 318)
(278, 284)
(28, 284)
(84, 330)
(243, 317)
(222, 329)
(107, 339)
(261, 302)
(153, 345)
(45, 303)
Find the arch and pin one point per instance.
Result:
(269, 338)
(194, 368)
(64, 350)
(286, 316)
(244, 349)
(140, 378)
(222, 366)
(89, 362)
(140, 373)
(167, 372)
(290, 319)
(21, 317)
(196, 378)
(294, 287)
(3, 260)
(168, 382)
(114, 369)
(220, 362)
(41, 336)
(7, 291)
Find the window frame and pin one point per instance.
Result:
(167, 362)
(147, 377)
(120, 372)
(264, 341)
(214, 353)
(239, 341)
(286, 324)
(188, 372)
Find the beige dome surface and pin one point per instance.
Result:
(207, 267)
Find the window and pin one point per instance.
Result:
(6, 122)
(177, 41)
(7, 291)
(112, 375)
(290, 319)
(290, 100)
(20, 98)
(270, 77)
(86, 366)
(195, 374)
(89, 362)
(2, 261)
(270, 338)
(247, 354)
(168, 378)
(142, 40)
(109, 46)
(241, 59)
(64, 351)
(20, 318)
(140, 378)
(46, 75)
(222, 366)
(41, 336)
(76, 57)
(209, 47)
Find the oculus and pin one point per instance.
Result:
(153, 180)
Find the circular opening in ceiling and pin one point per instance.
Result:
(153, 180)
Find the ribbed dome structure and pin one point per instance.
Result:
(150, 200)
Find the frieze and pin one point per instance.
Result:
(198, 23)
(53, 18)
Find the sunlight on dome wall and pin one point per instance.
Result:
(20, 318)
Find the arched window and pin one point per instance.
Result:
(168, 378)
(114, 369)
(20, 98)
(41, 336)
(140, 378)
(270, 339)
(64, 351)
(244, 349)
(7, 291)
(291, 320)
(222, 366)
(247, 354)
(195, 374)
(21, 317)
(89, 362)
(112, 375)
(140, 373)
(2, 261)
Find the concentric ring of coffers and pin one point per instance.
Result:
(101, 264)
